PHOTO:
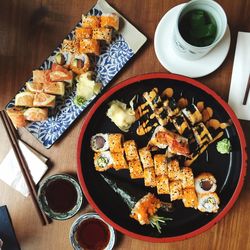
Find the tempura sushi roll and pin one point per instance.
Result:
(99, 142)
(41, 76)
(102, 33)
(91, 21)
(146, 158)
(162, 184)
(205, 183)
(181, 124)
(83, 33)
(80, 64)
(153, 143)
(115, 142)
(193, 114)
(175, 190)
(187, 177)
(174, 172)
(171, 107)
(55, 88)
(44, 100)
(201, 134)
(24, 99)
(135, 169)
(110, 21)
(17, 117)
(208, 202)
(89, 46)
(190, 198)
(131, 151)
(149, 177)
(160, 164)
(36, 114)
(103, 161)
(119, 161)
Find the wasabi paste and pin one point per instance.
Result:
(224, 146)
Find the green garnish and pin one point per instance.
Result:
(156, 221)
(102, 162)
(79, 101)
(224, 146)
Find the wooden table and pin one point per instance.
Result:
(29, 31)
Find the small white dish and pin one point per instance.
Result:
(170, 60)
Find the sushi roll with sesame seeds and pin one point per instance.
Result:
(146, 158)
(91, 21)
(174, 172)
(175, 189)
(103, 161)
(99, 142)
(115, 142)
(119, 161)
(208, 202)
(190, 198)
(89, 46)
(104, 34)
(149, 177)
(205, 183)
(110, 21)
(162, 184)
(160, 164)
(135, 169)
(187, 177)
(83, 33)
(131, 151)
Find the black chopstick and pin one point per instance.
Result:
(12, 135)
(246, 91)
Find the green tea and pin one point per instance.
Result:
(198, 28)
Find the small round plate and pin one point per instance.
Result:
(84, 217)
(165, 52)
(44, 204)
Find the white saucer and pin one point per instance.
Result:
(165, 52)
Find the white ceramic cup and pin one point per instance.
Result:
(189, 51)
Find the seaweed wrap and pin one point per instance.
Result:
(193, 114)
(202, 135)
(181, 125)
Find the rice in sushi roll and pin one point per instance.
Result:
(208, 202)
(205, 183)
(91, 21)
(131, 151)
(110, 21)
(103, 161)
(89, 46)
(174, 172)
(189, 198)
(146, 158)
(99, 142)
(193, 114)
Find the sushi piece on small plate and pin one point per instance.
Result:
(103, 161)
(110, 21)
(205, 183)
(99, 142)
(208, 202)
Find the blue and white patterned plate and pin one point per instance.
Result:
(112, 59)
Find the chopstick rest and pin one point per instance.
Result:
(10, 171)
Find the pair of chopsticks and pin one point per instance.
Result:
(12, 135)
(246, 91)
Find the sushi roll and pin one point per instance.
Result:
(80, 64)
(149, 177)
(83, 33)
(41, 76)
(36, 114)
(89, 46)
(103, 161)
(160, 164)
(208, 202)
(146, 158)
(175, 190)
(115, 142)
(190, 198)
(119, 161)
(153, 143)
(202, 135)
(91, 21)
(70, 46)
(44, 100)
(171, 107)
(162, 184)
(187, 177)
(193, 114)
(99, 142)
(17, 116)
(181, 124)
(174, 172)
(63, 58)
(59, 73)
(205, 183)
(102, 33)
(55, 88)
(135, 169)
(110, 21)
(24, 99)
(131, 152)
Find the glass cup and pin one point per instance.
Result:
(193, 52)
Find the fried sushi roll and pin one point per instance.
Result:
(135, 169)
(55, 88)
(146, 158)
(187, 177)
(149, 177)
(36, 114)
(131, 151)
(17, 117)
(119, 161)
(110, 21)
(175, 190)
(193, 114)
(24, 99)
(153, 143)
(174, 172)
(39, 100)
(103, 161)
(70, 46)
(205, 183)
(99, 142)
(181, 124)
(171, 107)
(115, 142)
(190, 198)
(162, 184)
(91, 21)
(104, 34)
(80, 64)
(208, 202)
(202, 135)
(41, 76)
(160, 164)
(83, 33)
(89, 46)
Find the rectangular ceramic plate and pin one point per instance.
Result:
(112, 59)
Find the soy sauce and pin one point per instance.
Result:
(61, 195)
(93, 234)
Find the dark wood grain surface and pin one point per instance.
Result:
(29, 31)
